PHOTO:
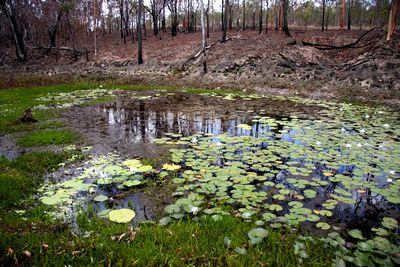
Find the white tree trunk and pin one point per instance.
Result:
(203, 36)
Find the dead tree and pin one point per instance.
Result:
(260, 18)
(342, 14)
(14, 17)
(394, 10)
(225, 22)
(139, 32)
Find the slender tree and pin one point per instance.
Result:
(139, 31)
(342, 14)
(14, 17)
(266, 18)
(203, 36)
(350, 3)
(225, 22)
(285, 26)
(323, 15)
(394, 11)
(244, 15)
(260, 18)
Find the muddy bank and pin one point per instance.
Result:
(266, 63)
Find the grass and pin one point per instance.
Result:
(180, 243)
(20, 177)
(47, 137)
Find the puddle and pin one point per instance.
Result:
(297, 162)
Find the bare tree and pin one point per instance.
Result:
(203, 36)
(139, 31)
(260, 18)
(244, 15)
(225, 22)
(394, 11)
(342, 14)
(13, 13)
(323, 15)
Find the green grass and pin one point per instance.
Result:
(47, 137)
(19, 178)
(180, 243)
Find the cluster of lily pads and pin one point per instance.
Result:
(88, 182)
(71, 99)
(292, 172)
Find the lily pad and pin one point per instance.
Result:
(121, 215)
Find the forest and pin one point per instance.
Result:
(199, 132)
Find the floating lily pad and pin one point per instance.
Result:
(121, 215)
(100, 198)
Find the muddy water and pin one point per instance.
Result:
(129, 125)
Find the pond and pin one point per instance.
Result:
(305, 164)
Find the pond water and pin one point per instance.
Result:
(302, 163)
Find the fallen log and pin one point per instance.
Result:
(350, 45)
(75, 52)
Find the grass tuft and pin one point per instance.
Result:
(47, 137)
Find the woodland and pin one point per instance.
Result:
(199, 132)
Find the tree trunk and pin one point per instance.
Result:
(285, 27)
(349, 14)
(17, 30)
(139, 32)
(203, 36)
(253, 23)
(71, 32)
(244, 15)
(225, 23)
(342, 14)
(208, 18)
(394, 10)
(260, 18)
(266, 18)
(222, 15)
(323, 15)
(121, 14)
(54, 28)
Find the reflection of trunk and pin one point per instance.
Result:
(142, 117)
(53, 30)
(394, 10)
(17, 30)
(139, 31)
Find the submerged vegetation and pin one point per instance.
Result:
(252, 188)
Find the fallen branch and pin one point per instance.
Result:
(350, 45)
(75, 52)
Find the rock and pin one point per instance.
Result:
(290, 41)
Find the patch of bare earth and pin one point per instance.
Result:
(269, 63)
